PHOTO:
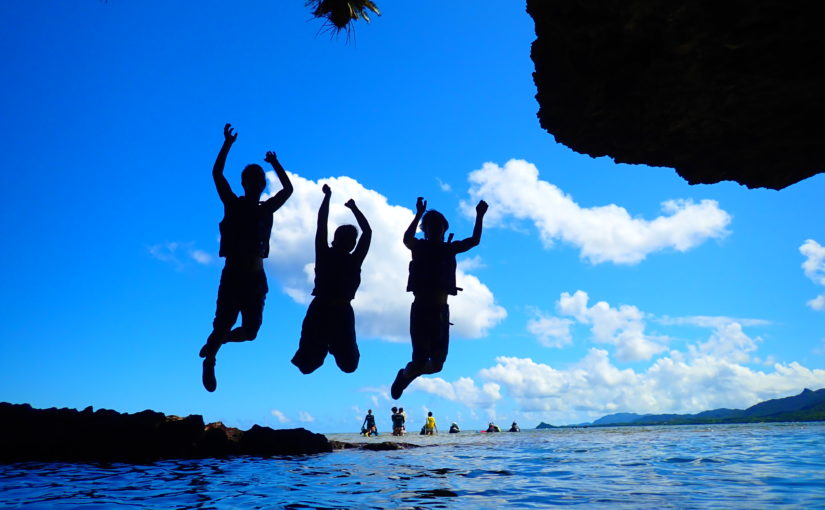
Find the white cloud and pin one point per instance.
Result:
(728, 342)
(719, 370)
(177, 254)
(622, 327)
(470, 263)
(201, 257)
(817, 303)
(594, 387)
(814, 267)
(381, 305)
(551, 331)
(463, 390)
(443, 185)
(602, 234)
(709, 321)
(305, 417)
(281, 417)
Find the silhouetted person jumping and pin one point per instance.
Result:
(431, 280)
(245, 231)
(329, 325)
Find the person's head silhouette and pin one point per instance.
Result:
(344, 238)
(434, 225)
(253, 180)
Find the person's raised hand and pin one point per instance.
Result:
(271, 158)
(420, 205)
(327, 191)
(350, 204)
(481, 207)
(229, 136)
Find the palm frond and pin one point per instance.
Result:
(340, 14)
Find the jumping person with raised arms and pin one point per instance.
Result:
(245, 230)
(329, 325)
(431, 280)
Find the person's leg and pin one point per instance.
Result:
(440, 343)
(252, 309)
(227, 309)
(312, 347)
(420, 334)
(226, 313)
(342, 344)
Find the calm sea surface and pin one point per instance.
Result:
(719, 466)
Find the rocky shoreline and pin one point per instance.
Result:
(103, 435)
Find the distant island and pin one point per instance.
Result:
(807, 406)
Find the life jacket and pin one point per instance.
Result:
(245, 229)
(432, 268)
(337, 275)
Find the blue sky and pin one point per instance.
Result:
(597, 287)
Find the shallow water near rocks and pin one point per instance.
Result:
(707, 466)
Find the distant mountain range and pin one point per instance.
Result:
(807, 406)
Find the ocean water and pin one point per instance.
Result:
(709, 466)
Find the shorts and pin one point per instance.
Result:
(240, 292)
(329, 327)
(429, 331)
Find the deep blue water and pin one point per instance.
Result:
(719, 466)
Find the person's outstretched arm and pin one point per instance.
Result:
(409, 235)
(321, 235)
(363, 245)
(224, 189)
(473, 240)
(280, 197)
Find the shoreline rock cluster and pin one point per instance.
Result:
(103, 435)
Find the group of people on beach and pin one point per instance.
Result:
(399, 420)
(329, 325)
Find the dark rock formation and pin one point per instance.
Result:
(382, 446)
(718, 90)
(108, 436)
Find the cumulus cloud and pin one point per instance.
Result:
(714, 370)
(463, 390)
(814, 267)
(381, 305)
(602, 234)
(817, 303)
(625, 329)
(281, 417)
(622, 327)
(594, 386)
(729, 342)
(551, 331)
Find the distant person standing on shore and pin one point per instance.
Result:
(368, 427)
(431, 280)
(403, 419)
(430, 427)
(397, 422)
(245, 230)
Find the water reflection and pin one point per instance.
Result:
(731, 466)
